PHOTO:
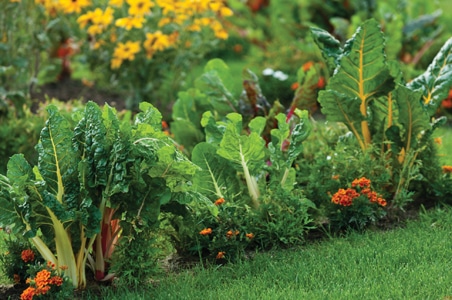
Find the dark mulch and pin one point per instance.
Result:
(70, 89)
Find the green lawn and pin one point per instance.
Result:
(408, 263)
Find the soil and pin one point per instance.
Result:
(70, 89)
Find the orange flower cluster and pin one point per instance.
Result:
(221, 254)
(219, 201)
(447, 169)
(345, 197)
(249, 236)
(206, 231)
(27, 255)
(42, 283)
(362, 182)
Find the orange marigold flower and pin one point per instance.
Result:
(219, 201)
(42, 278)
(363, 182)
(229, 234)
(42, 290)
(249, 236)
(447, 169)
(56, 280)
(438, 140)
(206, 231)
(294, 86)
(28, 294)
(382, 201)
(221, 254)
(27, 255)
(344, 197)
(335, 177)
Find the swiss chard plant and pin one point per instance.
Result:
(232, 155)
(369, 94)
(92, 182)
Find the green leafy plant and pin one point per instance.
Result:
(85, 179)
(368, 94)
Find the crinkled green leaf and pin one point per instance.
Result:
(299, 134)
(149, 115)
(329, 45)
(436, 81)
(58, 160)
(174, 167)
(216, 177)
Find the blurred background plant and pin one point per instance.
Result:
(137, 45)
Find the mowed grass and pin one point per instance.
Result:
(407, 263)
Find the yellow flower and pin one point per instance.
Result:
(117, 3)
(103, 18)
(115, 63)
(12, 1)
(130, 22)
(157, 41)
(126, 51)
(85, 19)
(71, 6)
(94, 29)
(221, 34)
(140, 7)
(226, 12)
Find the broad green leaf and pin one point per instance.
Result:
(216, 176)
(246, 152)
(329, 45)
(242, 149)
(57, 161)
(216, 84)
(412, 115)
(436, 81)
(222, 69)
(361, 76)
(340, 108)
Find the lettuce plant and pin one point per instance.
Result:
(370, 96)
(88, 179)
